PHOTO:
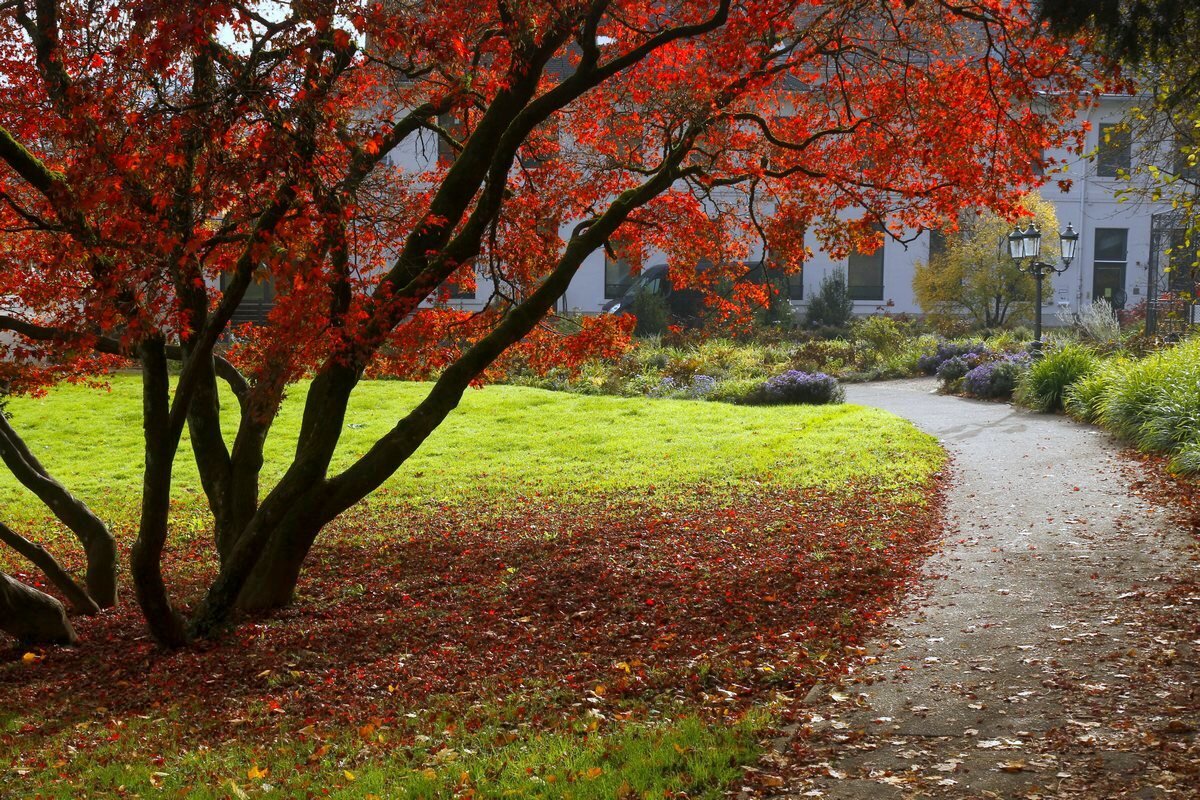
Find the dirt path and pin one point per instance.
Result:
(1054, 652)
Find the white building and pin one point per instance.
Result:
(1113, 259)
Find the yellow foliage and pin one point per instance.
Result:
(975, 278)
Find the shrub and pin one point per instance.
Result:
(743, 391)
(794, 386)
(1187, 460)
(930, 363)
(953, 369)
(1045, 385)
(1096, 322)
(880, 333)
(829, 332)
(996, 379)
(907, 361)
(820, 355)
(697, 387)
(652, 313)
(832, 306)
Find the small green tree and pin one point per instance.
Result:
(832, 307)
(652, 312)
(975, 278)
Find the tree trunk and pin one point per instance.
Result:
(31, 616)
(40, 558)
(98, 543)
(272, 583)
(145, 557)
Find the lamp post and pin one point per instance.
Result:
(1027, 244)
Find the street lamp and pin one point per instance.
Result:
(1027, 244)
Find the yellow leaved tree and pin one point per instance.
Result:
(972, 277)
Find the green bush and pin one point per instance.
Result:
(1155, 402)
(1045, 385)
(880, 333)
(832, 306)
(908, 361)
(1187, 460)
(824, 355)
(742, 391)
(652, 313)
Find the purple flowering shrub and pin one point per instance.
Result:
(947, 351)
(795, 386)
(996, 379)
(699, 387)
(954, 368)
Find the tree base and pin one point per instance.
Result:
(32, 616)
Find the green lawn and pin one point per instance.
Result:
(505, 439)
(431, 654)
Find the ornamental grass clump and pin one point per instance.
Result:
(1086, 397)
(1045, 385)
(1155, 402)
(795, 386)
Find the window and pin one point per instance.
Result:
(541, 146)
(455, 126)
(617, 277)
(458, 291)
(1037, 164)
(795, 285)
(258, 299)
(864, 275)
(937, 245)
(790, 286)
(1113, 155)
(1108, 266)
(460, 286)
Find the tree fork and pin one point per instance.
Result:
(271, 584)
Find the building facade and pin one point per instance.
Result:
(1121, 256)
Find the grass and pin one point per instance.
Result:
(504, 440)
(562, 621)
(648, 761)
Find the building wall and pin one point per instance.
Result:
(1090, 202)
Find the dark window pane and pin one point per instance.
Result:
(1038, 163)
(1111, 244)
(459, 292)
(864, 275)
(455, 126)
(789, 286)
(937, 244)
(1114, 151)
(616, 276)
(1183, 263)
(1108, 269)
(1108, 283)
(795, 286)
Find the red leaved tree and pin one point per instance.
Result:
(160, 158)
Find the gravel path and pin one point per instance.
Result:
(1054, 650)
